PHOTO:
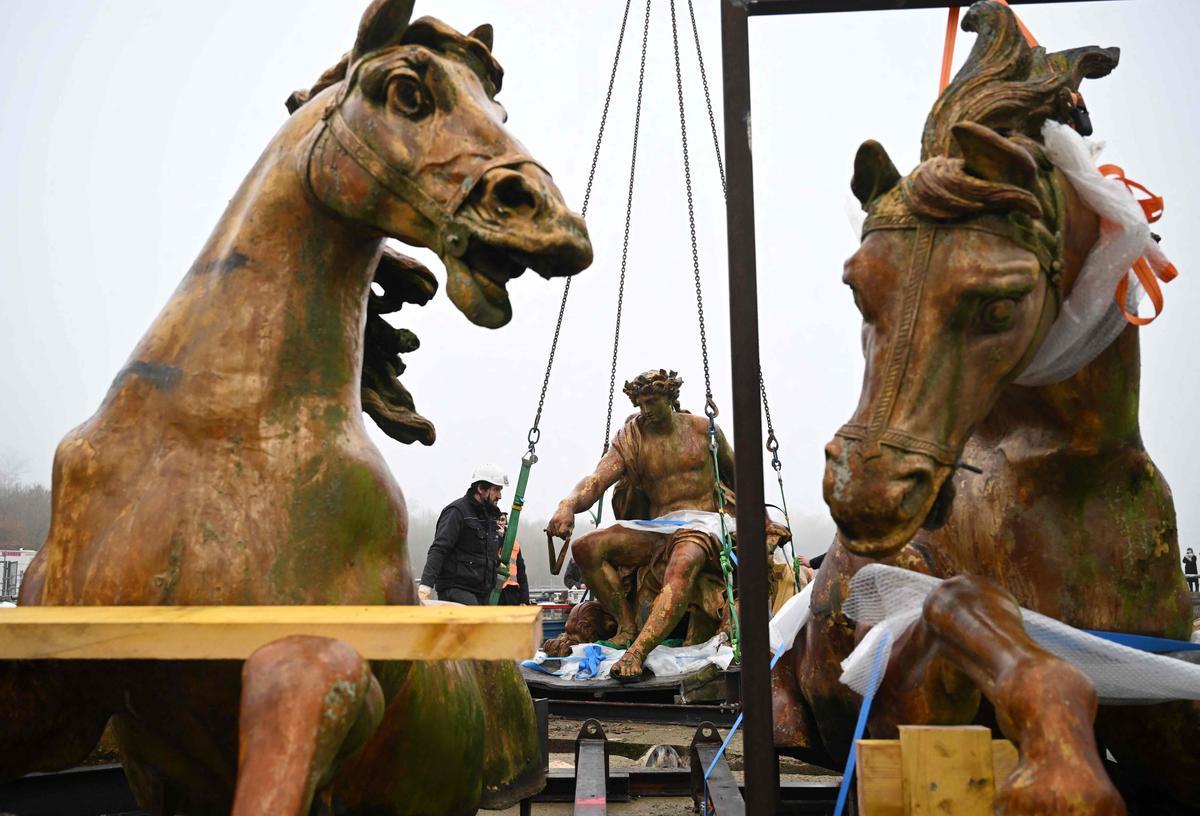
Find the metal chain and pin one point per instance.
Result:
(772, 440)
(712, 122)
(637, 120)
(535, 432)
(710, 406)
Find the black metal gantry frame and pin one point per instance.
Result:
(761, 761)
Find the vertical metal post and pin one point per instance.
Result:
(761, 762)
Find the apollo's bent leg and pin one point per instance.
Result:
(51, 716)
(679, 580)
(306, 702)
(971, 630)
(599, 554)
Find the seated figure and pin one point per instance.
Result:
(661, 463)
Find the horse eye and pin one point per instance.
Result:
(998, 314)
(405, 94)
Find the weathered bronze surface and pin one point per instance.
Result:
(229, 462)
(659, 462)
(962, 269)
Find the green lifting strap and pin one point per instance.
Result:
(727, 557)
(510, 534)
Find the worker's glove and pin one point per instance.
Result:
(501, 577)
(424, 593)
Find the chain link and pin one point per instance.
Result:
(637, 121)
(535, 432)
(712, 122)
(710, 406)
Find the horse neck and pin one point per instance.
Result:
(272, 310)
(1096, 409)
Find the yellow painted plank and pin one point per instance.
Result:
(233, 632)
(880, 791)
(947, 770)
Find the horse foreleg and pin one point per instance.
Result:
(970, 636)
(306, 702)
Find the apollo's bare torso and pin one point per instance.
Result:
(673, 467)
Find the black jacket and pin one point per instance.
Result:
(465, 553)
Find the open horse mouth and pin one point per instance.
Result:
(477, 283)
(516, 220)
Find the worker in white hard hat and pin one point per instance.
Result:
(465, 554)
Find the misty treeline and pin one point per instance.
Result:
(24, 509)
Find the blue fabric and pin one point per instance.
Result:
(590, 662)
(1146, 643)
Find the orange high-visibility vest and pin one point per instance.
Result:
(512, 565)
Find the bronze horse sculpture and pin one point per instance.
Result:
(229, 462)
(962, 268)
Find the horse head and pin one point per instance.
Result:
(960, 273)
(412, 142)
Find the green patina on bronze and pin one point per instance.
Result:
(229, 462)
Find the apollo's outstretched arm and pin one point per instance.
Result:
(608, 472)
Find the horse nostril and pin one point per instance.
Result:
(920, 484)
(512, 193)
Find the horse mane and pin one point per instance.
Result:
(1010, 88)
(399, 279)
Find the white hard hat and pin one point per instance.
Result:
(490, 474)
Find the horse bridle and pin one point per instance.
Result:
(878, 432)
(453, 233)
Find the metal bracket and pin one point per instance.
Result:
(723, 792)
(591, 770)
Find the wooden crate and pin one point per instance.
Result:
(942, 770)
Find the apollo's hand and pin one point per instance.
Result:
(562, 524)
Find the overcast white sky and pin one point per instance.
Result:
(126, 126)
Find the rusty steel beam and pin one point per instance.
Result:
(762, 763)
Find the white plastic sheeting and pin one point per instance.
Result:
(664, 661)
(1090, 319)
(889, 599)
(704, 520)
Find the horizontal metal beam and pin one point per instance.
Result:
(657, 713)
(757, 8)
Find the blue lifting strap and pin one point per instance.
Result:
(1146, 643)
(861, 726)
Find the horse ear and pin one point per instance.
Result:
(992, 157)
(874, 173)
(484, 34)
(383, 24)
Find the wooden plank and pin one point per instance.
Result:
(947, 771)
(877, 766)
(233, 632)
(880, 789)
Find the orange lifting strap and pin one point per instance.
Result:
(1148, 274)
